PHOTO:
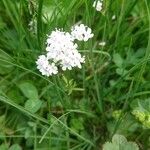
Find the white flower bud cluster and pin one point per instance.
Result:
(98, 5)
(33, 26)
(62, 50)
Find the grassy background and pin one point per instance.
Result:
(78, 109)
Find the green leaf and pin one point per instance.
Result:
(5, 63)
(49, 9)
(132, 146)
(2, 119)
(29, 90)
(2, 23)
(33, 105)
(119, 142)
(3, 147)
(108, 146)
(28, 132)
(144, 104)
(127, 125)
(15, 95)
(15, 147)
(119, 139)
(141, 105)
(77, 124)
(121, 71)
(117, 59)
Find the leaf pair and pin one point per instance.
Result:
(33, 103)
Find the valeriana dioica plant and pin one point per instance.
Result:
(62, 50)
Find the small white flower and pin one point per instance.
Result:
(81, 32)
(98, 5)
(113, 17)
(45, 67)
(72, 59)
(102, 43)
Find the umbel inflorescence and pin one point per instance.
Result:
(62, 50)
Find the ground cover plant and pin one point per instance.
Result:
(74, 75)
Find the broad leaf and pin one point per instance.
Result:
(3, 147)
(29, 90)
(15, 147)
(33, 105)
(119, 142)
(117, 59)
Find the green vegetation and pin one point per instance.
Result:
(79, 109)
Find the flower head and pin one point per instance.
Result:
(98, 5)
(81, 32)
(61, 53)
(45, 67)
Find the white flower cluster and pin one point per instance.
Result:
(62, 50)
(98, 5)
(81, 32)
(45, 67)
